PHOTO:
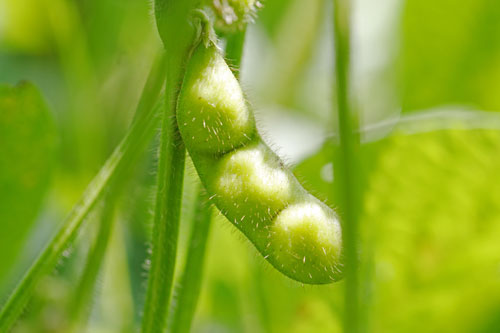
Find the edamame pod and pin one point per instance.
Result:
(297, 233)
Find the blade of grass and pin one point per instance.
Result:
(346, 167)
(172, 17)
(189, 286)
(84, 290)
(122, 157)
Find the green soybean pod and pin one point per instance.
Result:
(297, 233)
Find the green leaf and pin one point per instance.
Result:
(432, 210)
(451, 53)
(430, 222)
(27, 155)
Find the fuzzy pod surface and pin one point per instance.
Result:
(232, 15)
(297, 233)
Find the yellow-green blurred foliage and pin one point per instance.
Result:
(430, 219)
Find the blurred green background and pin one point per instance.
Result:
(425, 79)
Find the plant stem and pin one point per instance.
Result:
(166, 220)
(190, 281)
(177, 33)
(234, 51)
(347, 169)
(122, 157)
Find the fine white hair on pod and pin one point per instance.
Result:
(245, 179)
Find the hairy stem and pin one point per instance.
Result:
(177, 33)
(122, 157)
(347, 169)
(190, 281)
(166, 221)
(234, 51)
